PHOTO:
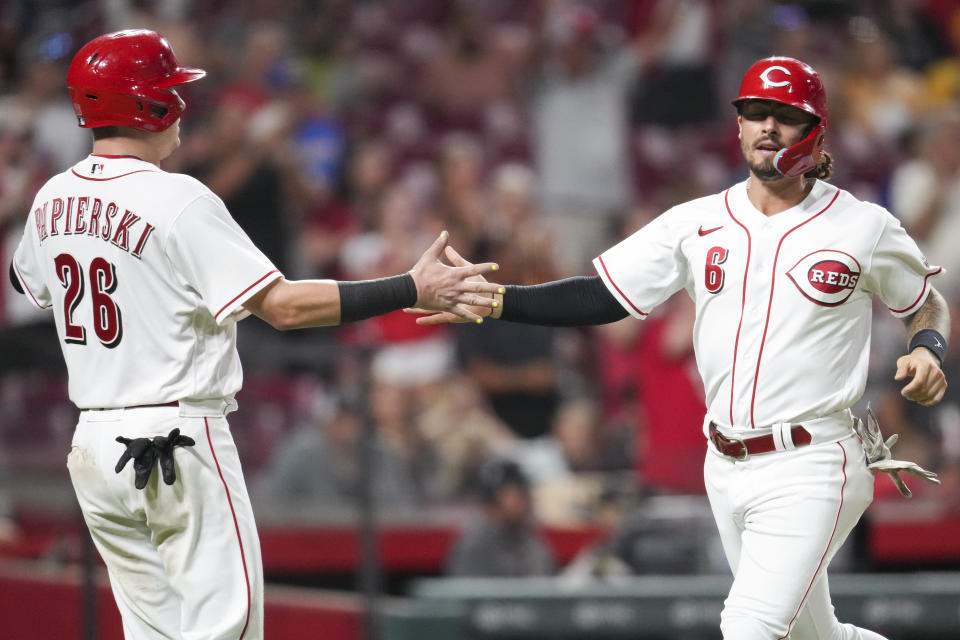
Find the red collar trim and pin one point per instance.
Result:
(114, 157)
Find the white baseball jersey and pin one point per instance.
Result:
(145, 272)
(783, 302)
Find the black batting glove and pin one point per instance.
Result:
(165, 446)
(146, 451)
(144, 456)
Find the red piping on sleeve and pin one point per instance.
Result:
(622, 294)
(239, 295)
(922, 291)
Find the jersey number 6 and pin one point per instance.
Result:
(714, 275)
(107, 320)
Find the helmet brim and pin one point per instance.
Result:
(182, 75)
(803, 106)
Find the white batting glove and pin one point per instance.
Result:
(879, 457)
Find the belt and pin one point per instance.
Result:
(740, 448)
(172, 403)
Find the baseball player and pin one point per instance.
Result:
(147, 276)
(782, 268)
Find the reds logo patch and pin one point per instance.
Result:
(826, 277)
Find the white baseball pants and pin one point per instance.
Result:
(184, 560)
(782, 517)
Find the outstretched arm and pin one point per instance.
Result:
(572, 302)
(927, 346)
(430, 284)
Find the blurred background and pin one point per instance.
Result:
(497, 480)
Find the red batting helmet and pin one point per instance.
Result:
(125, 78)
(785, 80)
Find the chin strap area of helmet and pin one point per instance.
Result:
(802, 157)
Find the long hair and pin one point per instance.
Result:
(824, 168)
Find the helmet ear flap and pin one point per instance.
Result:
(802, 157)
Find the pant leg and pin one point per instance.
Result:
(817, 620)
(782, 517)
(184, 560)
(149, 608)
(207, 538)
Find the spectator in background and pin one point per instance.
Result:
(656, 360)
(41, 109)
(913, 33)
(227, 156)
(925, 193)
(457, 421)
(368, 179)
(393, 412)
(575, 469)
(677, 39)
(460, 206)
(468, 74)
(671, 401)
(516, 369)
(27, 335)
(581, 132)
(317, 466)
(353, 208)
(516, 372)
(505, 543)
(884, 98)
(880, 101)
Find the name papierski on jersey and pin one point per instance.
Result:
(826, 277)
(84, 215)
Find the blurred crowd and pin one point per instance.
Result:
(344, 135)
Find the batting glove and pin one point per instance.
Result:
(146, 451)
(879, 457)
(165, 446)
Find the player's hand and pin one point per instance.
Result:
(446, 317)
(452, 289)
(928, 384)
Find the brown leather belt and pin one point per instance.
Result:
(172, 403)
(740, 448)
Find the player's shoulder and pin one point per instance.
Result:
(854, 207)
(183, 186)
(697, 210)
(53, 184)
(178, 193)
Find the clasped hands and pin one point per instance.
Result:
(481, 299)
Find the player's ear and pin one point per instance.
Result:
(740, 127)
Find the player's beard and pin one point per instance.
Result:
(764, 171)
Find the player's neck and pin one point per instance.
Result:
(776, 196)
(130, 147)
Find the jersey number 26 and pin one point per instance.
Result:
(107, 320)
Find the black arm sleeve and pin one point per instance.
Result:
(14, 281)
(362, 299)
(573, 302)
